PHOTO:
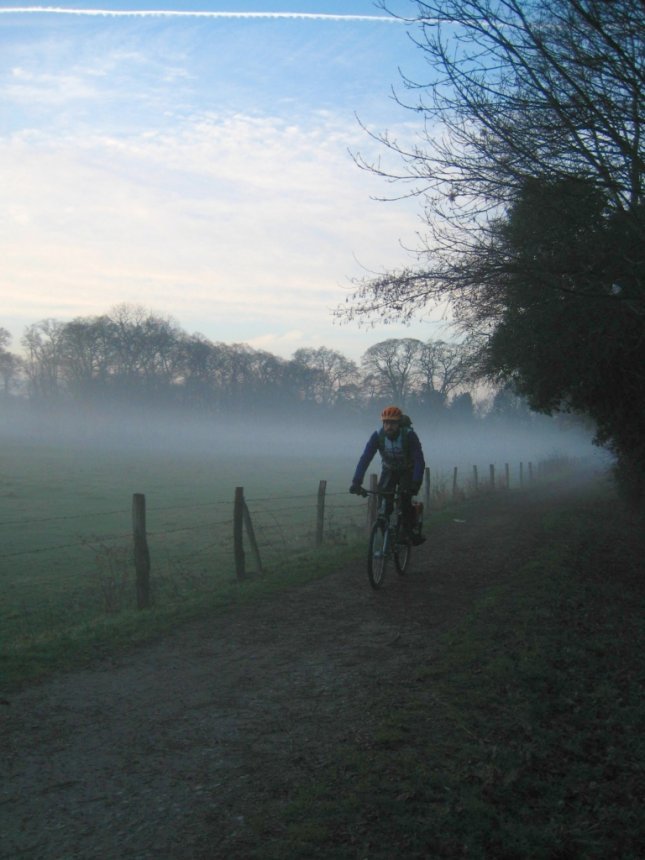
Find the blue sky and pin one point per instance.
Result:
(199, 165)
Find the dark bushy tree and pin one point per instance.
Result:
(569, 335)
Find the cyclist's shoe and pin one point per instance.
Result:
(406, 536)
(417, 540)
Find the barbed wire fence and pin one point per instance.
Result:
(173, 560)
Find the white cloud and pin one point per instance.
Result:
(140, 164)
(25, 87)
(280, 344)
(242, 227)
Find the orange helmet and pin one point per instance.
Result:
(391, 413)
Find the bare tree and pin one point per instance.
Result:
(88, 352)
(515, 90)
(9, 363)
(45, 359)
(146, 348)
(204, 368)
(444, 367)
(330, 371)
(393, 364)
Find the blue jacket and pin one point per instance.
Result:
(416, 462)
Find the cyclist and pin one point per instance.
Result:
(402, 464)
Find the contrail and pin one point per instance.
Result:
(171, 13)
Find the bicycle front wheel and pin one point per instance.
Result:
(377, 554)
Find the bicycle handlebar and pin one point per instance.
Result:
(364, 493)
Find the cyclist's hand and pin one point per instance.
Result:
(416, 486)
(356, 490)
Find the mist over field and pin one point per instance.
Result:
(131, 381)
(328, 437)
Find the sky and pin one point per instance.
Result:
(200, 165)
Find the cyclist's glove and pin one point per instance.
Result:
(356, 490)
(415, 487)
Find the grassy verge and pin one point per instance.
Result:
(522, 738)
(66, 628)
(67, 592)
(32, 656)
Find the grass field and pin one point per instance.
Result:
(67, 582)
(67, 579)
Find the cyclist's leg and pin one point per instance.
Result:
(386, 484)
(408, 511)
(405, 487)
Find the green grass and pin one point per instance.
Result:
(67, 582)
(38, 654)
(522, 739)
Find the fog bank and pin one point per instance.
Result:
(447, 442)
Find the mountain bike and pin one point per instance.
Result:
(389, 540)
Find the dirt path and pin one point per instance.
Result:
(161, 754)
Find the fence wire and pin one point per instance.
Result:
(282, 524)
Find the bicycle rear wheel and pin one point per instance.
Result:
(377, 554)
(402, 553)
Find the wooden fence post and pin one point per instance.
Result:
(530, 472)
(141, 551)
(238, 544)
(251, 533)
(521, 474)
(475, 480)
(454, 483)
(426, 490)
(507, 476)
(372, 502)
(492, 476)
(320, 513)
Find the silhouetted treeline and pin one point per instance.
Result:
(133, 356)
